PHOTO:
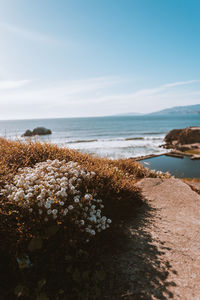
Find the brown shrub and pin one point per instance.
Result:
(114, 183)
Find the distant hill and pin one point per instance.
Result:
(183, 110)
(129, 114)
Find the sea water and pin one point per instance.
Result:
(179, 167)
(113, 137)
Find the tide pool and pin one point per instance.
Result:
(179, 167)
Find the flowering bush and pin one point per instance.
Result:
(56, 190)
(49, 207)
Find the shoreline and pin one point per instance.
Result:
(173, 153)
(180, 165)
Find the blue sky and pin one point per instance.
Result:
(71, 58)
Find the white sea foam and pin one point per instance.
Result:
(105, 136)
(122, 148)
(119, 147)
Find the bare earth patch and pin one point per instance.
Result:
(159, 257)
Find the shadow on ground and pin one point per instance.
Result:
(136, 268)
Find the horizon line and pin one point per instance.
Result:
(128, 114)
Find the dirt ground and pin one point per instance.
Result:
(159, 255)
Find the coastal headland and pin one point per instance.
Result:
(184, 141)
(181, 142)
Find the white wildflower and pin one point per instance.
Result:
(76, 199)
(65, 211)
(87, 197)
(47, 205)
(55, 186)
(82, 222)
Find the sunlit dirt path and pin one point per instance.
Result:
(160, 257)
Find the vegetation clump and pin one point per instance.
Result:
(56, 190)
(56, 206)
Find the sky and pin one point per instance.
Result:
(79, 58)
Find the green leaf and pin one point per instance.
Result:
(42, 296)
(86, 275)
(41, 283)
(35, 244)
(68, 257)
(24, 262)
(76, 275)
(84, 295)
(69, 269)
(50, 231)
(21, 290)
(82, 253)
(100, 275)
(97, 291)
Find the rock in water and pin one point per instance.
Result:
(37, 131)
(41, 131)
(28, 133)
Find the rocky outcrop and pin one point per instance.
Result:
(28, 133)
(37, 131)
(195, 156)
(175, 153)
(41, 131)
(183, 139)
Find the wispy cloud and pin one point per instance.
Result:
(12, 84)
(178, 83)
(92, 96)
(30, 35)
(164, 87)
(61, 91)
(145, 94)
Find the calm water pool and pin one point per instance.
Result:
(179, 167)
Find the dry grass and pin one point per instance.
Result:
(15, 155)
(114, 183)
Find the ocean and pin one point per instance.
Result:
(113, 137)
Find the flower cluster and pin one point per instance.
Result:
(160, 174)
(56, 190)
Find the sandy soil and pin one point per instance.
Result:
(159, 255)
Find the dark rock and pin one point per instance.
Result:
(184, 147)
(147, 156)
(195, 156)
(37, 131)
(176, 154)
(183, 141)
(195, 146)
(172, 136)
(41, 131)
(27, 133)
(184, 136)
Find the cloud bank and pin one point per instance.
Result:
(89, 97)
